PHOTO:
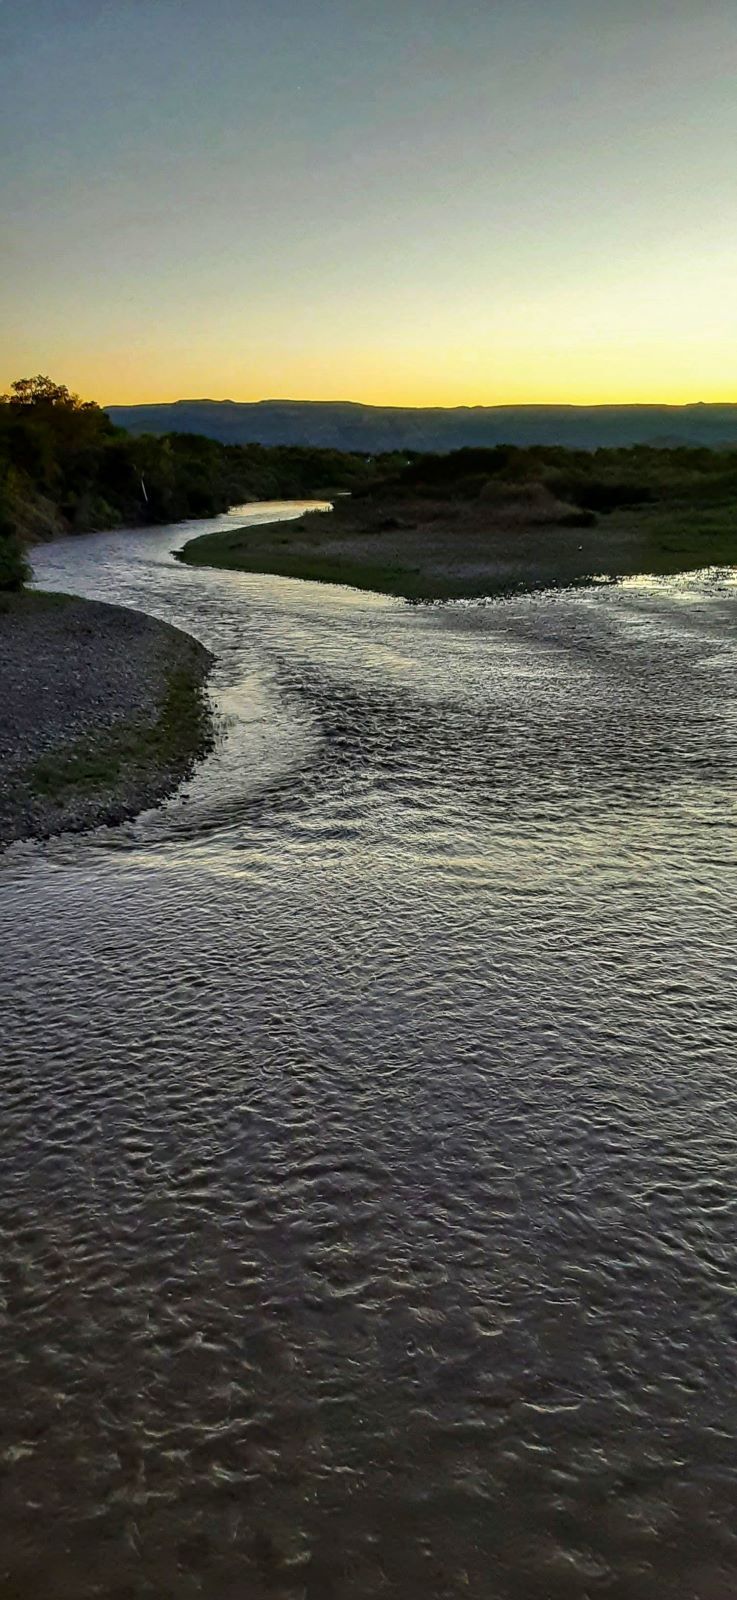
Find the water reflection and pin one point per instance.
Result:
(369, 1135)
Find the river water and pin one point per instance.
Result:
(369, 1112)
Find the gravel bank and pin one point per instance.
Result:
(101, 713)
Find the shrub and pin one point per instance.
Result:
(578, 519)
(14, 569)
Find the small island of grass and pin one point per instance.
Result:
(485, 522)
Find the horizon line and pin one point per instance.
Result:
(373, 405)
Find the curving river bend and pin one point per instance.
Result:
(369, 1112)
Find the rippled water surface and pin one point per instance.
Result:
(369, 1113)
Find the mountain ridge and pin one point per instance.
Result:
(353, 425)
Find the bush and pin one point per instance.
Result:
(578, 519)
(606, 495)
(14, 569)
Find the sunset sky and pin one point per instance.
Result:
(424, 202)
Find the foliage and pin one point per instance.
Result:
(593, 480)
(13, 565)
(65, 466)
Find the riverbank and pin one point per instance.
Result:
(445, 549)
(103, 713)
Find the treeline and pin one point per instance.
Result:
(593, 480)
(64, 468)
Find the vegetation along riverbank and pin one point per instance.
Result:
(479, 522)
(103, 712)
(64, 468)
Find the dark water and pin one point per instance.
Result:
(369, 1114)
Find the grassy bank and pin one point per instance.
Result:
(302, 554)
(32, 602)
(132, 751)
(449, 550)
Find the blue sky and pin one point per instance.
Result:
(416, 202)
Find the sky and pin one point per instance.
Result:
(403, 202)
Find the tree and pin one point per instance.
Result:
(43, 391)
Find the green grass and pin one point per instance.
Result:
(681, 538)
(28, 602)
(132, 750)
(661, 539)
(241, 550)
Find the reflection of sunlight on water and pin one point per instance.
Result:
(712, 582)
(410, 1019)
(260, 511)
(709, 582)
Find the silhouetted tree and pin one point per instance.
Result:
(43, 391)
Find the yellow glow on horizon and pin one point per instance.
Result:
(663, 332)
(557, 380)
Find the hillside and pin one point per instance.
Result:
(343, 425)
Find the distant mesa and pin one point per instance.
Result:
(348, 425)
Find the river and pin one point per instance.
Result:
(369, 1112)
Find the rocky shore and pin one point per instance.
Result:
(102, 713)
